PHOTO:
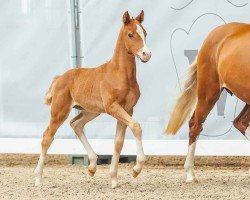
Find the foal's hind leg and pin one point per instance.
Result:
(205, 103)
(77, 124)
(119, 140)
(59, 113)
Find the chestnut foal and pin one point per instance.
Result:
(111, 88)
(223, 62)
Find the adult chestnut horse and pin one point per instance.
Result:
(223, 62)
(111, 88)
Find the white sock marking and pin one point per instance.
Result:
(189, 163)
(40, 165)
(113, 169)
(140, 153)
(140, 158)
(92, 155)
(39, 170)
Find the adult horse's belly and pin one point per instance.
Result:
(234, 66)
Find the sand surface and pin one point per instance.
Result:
(162, 178)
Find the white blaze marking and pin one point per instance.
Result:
(140, 32)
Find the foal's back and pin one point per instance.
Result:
(83, 87)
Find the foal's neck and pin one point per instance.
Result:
(123, 61)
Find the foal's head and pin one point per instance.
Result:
(134, 36)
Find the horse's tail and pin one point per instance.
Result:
(185, 102)
(48, 95)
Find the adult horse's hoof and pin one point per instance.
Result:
(194, 180)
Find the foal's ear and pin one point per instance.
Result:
(126, 18)
(140, 17)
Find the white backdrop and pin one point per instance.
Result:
(176, 30)
(35, 46)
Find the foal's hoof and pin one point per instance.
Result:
(91, 171)
(135, 173)
(194, 180)
(38, 183)
(114, 184)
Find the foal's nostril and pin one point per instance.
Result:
(148, 54)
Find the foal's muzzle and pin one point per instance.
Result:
(144, 55)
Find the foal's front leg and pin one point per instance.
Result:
(120, 114)
(119, 140)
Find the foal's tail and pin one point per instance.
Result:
(48, 95)
(185, 102)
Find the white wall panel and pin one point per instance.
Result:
(176, 30)
(34, 47)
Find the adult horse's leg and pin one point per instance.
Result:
(59, 113)
(242, 121)
(77, 123)
(119, 140)
(204, 106)
(120, 114)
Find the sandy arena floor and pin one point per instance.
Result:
(162, 178)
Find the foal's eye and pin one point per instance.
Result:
(130, 35)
